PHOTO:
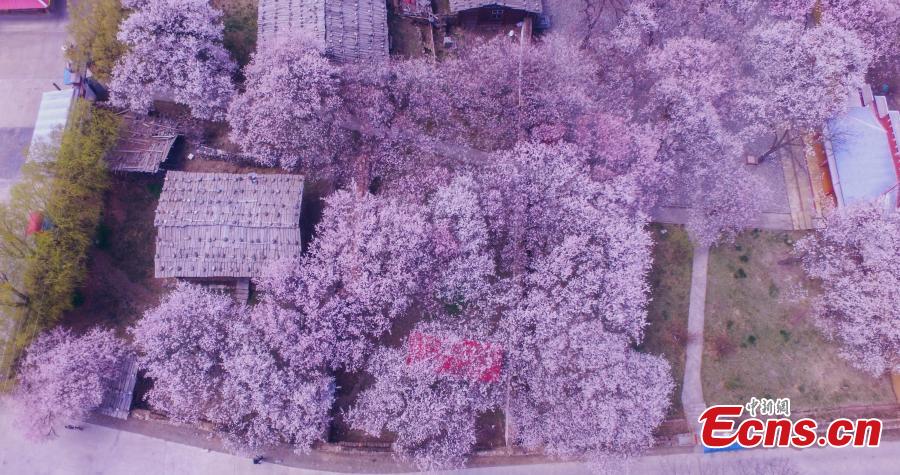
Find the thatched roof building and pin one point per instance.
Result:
(347, 30)
(219, 225)
(531, 6)
(144, 144)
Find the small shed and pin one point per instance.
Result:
(530, 6)
(347, 30)
(117, 400)
(53, 114)
(144, 144)
(495, 11)
(220, 226)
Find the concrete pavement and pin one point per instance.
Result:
(692, 390)
(100, 450)
(31, 60)
(670, 214)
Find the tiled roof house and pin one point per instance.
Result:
(219, 225)
(347, 30)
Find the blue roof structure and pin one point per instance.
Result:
(860, 162)
(52, 114)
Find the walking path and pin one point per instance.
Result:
(680, 214)
(692, 392)
(799, 187)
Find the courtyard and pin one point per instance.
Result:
(760, 339)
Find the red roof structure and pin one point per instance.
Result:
(467, 358)
(35, 223)
(24, 5)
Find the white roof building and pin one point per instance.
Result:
(52, 114)
(861, 147)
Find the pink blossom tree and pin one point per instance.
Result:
(575, 256)
(267, 397)
(182, 343)
(576, 382)
(373, 106)
(430, 394)
(235, 367)
(801, 78)
(541, 203)
(287, 115)
(622, 52)
(537, 194)
(586, 395)
(702, 157)
(463, 261)
(63, 378)
(875, 22)
(856, 256)
(174, 47)
(363, 271)
(689, 72)
(619, 147)
(494, 93)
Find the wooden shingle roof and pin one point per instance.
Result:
(117, 399)
(533, 6)
(226, 225)
(144, 144)
(347, 30)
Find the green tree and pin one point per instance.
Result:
(65, 179)
(58, 262)
(93, 28)
(29, 194)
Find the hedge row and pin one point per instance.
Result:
(56, 264)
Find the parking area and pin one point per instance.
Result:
(31, 60)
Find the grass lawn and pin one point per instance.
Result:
(759, 337)
(120, 284)
(670, 281)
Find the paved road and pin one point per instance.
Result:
(101, 450)
(31, 60)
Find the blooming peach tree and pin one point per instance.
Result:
(216, 361)
(267, 398)
(174, 48)
(577, 256)
(802, 76)
(363, 271)
(64, 377)
(856, 256)
(181, 344)
(286, 115)
(430, 393)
